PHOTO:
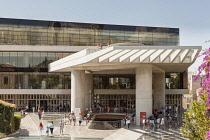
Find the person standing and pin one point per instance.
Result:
(108, 109)
(40, 128)
(51, 127)
(80, 113)
(61, 125)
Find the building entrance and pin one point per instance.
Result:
(43, 104)
(117, 103)
(31, 104)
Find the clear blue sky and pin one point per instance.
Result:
(192, 17)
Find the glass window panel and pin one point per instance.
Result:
(44, 61)
(22, 59)
(51, 57)
(6, 59)
(36, 59)
(1, 58)
(13, 59)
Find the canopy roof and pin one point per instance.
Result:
(163, 58)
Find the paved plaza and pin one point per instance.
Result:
(29, 130)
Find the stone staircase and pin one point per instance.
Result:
(28, 127)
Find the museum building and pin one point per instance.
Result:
(58, 66)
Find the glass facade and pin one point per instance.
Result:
(49, 102)
(29, 70)
(35, 32)
(174, 81)
(34, 80)
(115, 81)
(117, 103)
(11, 60)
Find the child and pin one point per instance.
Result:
(61, 125)
(40, 128)
(47, 130)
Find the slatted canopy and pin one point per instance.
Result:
(165, 58)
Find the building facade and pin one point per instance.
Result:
(28, 46)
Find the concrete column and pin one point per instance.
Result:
(77, 90)
(159, 90)
(88, 90)
(185, 79)
(143, 91)
(25, 81)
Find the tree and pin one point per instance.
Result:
(196, 124)
(196, 121)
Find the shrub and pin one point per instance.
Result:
(6, 117)
(16, 123)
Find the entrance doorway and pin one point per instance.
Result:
(31, 103)
(43, 104)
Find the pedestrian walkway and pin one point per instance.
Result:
(29, 127)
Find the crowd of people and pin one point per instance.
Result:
(69, 118)
(160, 121)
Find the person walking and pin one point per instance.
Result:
(74, 119)
(51, 127)
(40, 128)
(158, 122)
(70, 118)
(128, 122)
(65, 118)
(40, 113)
(144, 122)
(80, 120)
(47, 130)
(88, 118)
(170, 121)
(61, 125)
(162, 123)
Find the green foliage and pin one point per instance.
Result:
(196, 121)
(6, 117)
(16, 123)
(2, 134)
